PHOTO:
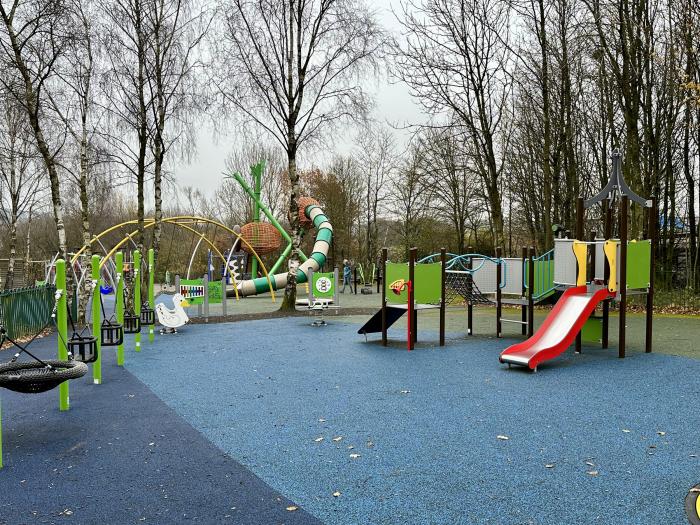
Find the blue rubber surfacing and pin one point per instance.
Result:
(591, 439)
(122, 456)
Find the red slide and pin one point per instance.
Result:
(559, 329)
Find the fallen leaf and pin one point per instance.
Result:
(354, 456)
(338, 439)
(590, 463)
(549, 465)
(592, 472)
(321, 420)
(292, 508)
(336, 494)
(318, 439)
(405, 391)
(370, 444)
(626, 431)
(661, 433)
(502, 437)
(350, 447)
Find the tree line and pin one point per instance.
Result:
(523, 102)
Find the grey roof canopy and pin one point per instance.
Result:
(617, 184)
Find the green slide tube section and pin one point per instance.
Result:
(62, 326)
(324, 237)
(97, 365)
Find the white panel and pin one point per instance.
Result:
(564, 262)
(485, 276)
(599, 261)
(514, 276)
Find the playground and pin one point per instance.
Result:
(456, 388)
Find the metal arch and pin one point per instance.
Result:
(180, 221)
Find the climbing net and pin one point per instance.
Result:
(461, 284)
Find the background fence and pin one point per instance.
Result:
(24, 311)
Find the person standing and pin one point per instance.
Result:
(347, 275)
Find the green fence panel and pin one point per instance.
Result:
(25, 311)
(216, 292)
(638, 264)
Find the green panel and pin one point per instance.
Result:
(544, 277)
(324, 285)
(216, 293)
(638, 264)
(192, 290)
(427, 288)
(428, 279)
(394, 272)
(25, 311)
(592, 331)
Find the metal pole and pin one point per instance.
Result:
(470, 309)
(412, 292)
(624, 205)
(384, 338)
(652, 263)
(223, 296)
(151, 294)
(96, 321)
(579, 237)
(62, 326)
(499, 306)
(443, 263)
(137, 297)
(205, 280)
(119, 300)
(606, 275)
(355, 280)
(530, 300)
(523, 308)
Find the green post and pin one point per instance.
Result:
(62, 324)
(96, 321)
(256, 172)
(119, 297)
(137, 295)
(151, 297)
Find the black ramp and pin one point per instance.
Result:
(374, 325)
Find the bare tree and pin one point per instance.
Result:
(293, 67)
(457, 62)
(20, 177)
(376, 153)
(32, 38)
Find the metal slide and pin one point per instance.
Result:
(559, 329)
(324, 235)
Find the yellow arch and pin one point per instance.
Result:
(180, 221)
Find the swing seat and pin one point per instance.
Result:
(148, 316)
(111, 333)
(132, 324)
(83, 348)
(34, 377)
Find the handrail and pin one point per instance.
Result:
(543, 275)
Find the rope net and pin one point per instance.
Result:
(461, 284)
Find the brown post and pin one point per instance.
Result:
(607, 233)
(624, 206)
(523, 308)
(443, 262)
(530, 301)
(412, 303)
(384, 338)
(470, 308)
(499, 270)
(579, 237)
(653, 213)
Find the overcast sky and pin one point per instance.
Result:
(392, 104)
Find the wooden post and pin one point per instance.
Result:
(499, 270)
(443, 262)
(384, 338)
(530, 301)
(579, 237)
(412, 302)
(523, 308)
(607, 210)
(624, 206)
(470, 307)
(653, 214)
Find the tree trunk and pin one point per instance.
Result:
(290, 291)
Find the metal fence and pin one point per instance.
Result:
(25, 311)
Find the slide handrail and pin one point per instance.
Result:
(544, 274)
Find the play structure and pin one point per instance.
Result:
(409, 288)
(595, 272)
